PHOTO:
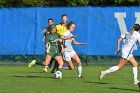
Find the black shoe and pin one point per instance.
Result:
(80, 77)
(52, 71)
(139, 85)
(50, 65)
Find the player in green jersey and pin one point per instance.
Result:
(54, 48)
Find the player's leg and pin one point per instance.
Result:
(60, 62)
(121, 63)
(55, 67)
(46, 62)
(70, 65)
(78, 62)
(135, 71)
(50, 65)
(67, 58)
(52, 60)
(34, 62)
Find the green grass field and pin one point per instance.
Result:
(21, 79)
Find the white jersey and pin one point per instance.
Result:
(130, 41)
(68, 43)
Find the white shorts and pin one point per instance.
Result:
(68, 55)
(126, 54)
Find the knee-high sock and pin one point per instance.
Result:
(79, 70)
(135, 73)
(55, 67)
(112, 69)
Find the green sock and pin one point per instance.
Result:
(60, 69)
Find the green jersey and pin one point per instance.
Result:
(52, 39)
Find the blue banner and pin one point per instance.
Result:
(21, 28)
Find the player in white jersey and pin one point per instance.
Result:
(127, 50)
(69, 52)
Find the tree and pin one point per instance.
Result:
(44, 3)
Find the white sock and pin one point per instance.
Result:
(79, 71)
(46, 66)
(112, 69)
(135, 73)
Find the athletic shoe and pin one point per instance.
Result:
(139, 85)
(32, 63)
(79, 76)
(136, 82)
(45, 70)
(102, 74)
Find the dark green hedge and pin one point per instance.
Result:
(44, 3)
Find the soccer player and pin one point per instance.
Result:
(127, 53)
(69, 52)
(47, 30)
(61, 28)
(52, 49)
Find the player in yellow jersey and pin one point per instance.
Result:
(62, 27)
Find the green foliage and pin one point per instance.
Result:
(78, 2)
(44, 3)
(32, 3)
(2, 3)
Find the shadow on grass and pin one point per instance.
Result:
(32, 77)
(115, 88)
(36, 72)
(96, 82)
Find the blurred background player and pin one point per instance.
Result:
(53, 43)
(127, 53)
(46, 31)
(62, 27)
(69, 52)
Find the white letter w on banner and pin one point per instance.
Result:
(121, 16)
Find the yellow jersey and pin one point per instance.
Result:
(61, 29)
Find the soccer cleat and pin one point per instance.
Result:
(32, 63)
(45, 70)
(80, 76)
(136, 82)
(102, 74)
(138, 85)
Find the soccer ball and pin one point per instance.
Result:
(58, 75)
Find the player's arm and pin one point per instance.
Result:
(47, 48)
(119, 42)
(139, 39)
(118, 45)
(67, 37)
(44, 36)
(61, 45)
(47, 44)
(62, 48)
(78, 43)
